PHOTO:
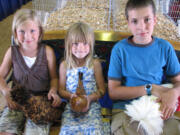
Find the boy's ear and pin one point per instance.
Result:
(127, 21)
(155, 19)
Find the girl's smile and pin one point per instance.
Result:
(80, 50)
(28, 33)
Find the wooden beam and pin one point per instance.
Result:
(101, 36)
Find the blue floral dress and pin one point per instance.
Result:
(89, 123)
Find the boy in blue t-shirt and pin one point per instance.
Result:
(137, 66)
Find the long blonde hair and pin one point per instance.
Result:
(20, 17)
(79, 32)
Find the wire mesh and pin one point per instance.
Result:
(174, 10)
(60, 14)
(45, 7)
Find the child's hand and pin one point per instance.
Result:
(168, 99)
(73, 95)
(168, 102)
(88, 103)
(157, 90)
(56, 99)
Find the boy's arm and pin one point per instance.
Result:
(169, 98)
(176, 81)
(118, 92)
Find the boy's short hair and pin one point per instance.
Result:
(23, 15)
(132, 4)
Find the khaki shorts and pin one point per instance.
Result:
(121, 125)
(13, 122)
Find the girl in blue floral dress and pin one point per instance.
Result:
(79, 46)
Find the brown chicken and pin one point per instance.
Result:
(79, 102)
(36, 107)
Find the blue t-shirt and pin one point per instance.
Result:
(139, 65)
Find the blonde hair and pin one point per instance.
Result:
(20, 17)
(79, 32)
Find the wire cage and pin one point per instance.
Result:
(60, 14)
(106, 15)
(174, 10)
(168, 12)
(45, 7)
